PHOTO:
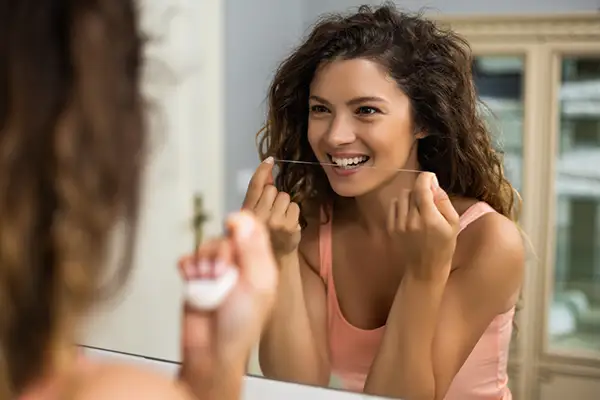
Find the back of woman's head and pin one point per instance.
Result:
(71, 149)
(430, 65)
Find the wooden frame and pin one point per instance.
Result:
(542, 40)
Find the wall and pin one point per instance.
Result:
(316, 7)
(259, 33)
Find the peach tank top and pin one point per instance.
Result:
(352, 350)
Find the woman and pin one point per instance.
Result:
(72, 147)
(409, 296)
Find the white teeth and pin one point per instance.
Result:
(343, 162)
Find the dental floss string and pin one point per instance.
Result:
(336, 165)
(563, 174)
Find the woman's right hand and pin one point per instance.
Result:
(275, 209)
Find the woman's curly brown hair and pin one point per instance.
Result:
(432, 66)
(71, 153)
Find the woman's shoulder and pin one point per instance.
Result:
(117, 381)
(486, 232)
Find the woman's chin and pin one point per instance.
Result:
(344, 190)
(361, 187)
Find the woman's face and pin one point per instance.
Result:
(359, 118)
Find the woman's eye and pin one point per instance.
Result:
(318, 109)
(365, 110)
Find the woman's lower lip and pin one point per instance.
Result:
(341, 171)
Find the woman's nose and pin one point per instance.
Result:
(340, 133)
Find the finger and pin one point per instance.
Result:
(292, 216)
(185, 267)
(204, 290)
(423, 195)
(392, 215)
(265, 204)
(403, 209)
(205, 260)
(223, 260)
(262, 176)
(413, 216)
(280, 206)
(433, 199)
(270, 161)
(252, 252)
(196, 265)
(445, 207)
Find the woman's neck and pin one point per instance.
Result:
(61, 364)
(370, 219)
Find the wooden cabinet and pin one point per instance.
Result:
(560, 387)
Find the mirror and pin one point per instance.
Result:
(517, 74)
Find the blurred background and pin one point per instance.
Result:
(537, 69)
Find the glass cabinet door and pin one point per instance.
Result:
(573, 307)
(499, 80)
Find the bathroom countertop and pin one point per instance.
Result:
(255, 388)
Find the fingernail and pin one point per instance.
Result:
(244, 224)
(269, 160)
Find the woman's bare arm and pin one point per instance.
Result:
(293, 347)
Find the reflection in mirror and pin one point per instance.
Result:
(378, 291)
(574, 308)
(351, 266)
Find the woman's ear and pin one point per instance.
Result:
(421, 135)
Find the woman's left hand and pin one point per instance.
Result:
(427, 224)
(216, 343)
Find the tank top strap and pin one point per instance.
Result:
(325, 256)
(474, 212)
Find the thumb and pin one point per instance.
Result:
(444, 205)
(253, 252)
(270, 162)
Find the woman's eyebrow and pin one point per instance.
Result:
(354, 101)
